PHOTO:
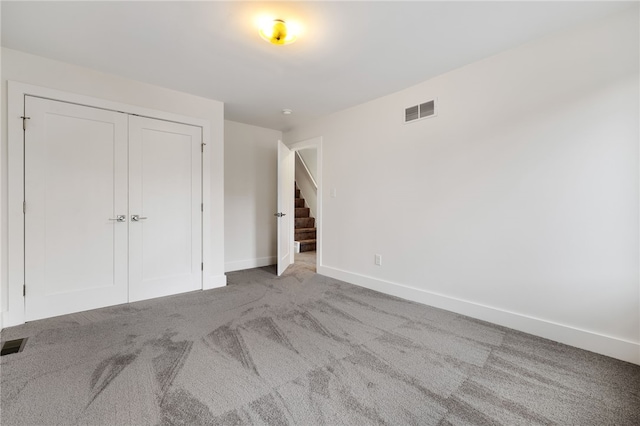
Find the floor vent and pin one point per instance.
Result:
(12, 346)
(423, 110)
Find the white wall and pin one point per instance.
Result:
(250, 176)
(310, 157)
(517, 204)
(25, 68)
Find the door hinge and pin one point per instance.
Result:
(24, 289)
(24, 207)
(201, 207)
(24, 121)
(202, 266)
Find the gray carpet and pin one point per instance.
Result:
(302, 349)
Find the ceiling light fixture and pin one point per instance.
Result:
(287, 111)
(278, 32)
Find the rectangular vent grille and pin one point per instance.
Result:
(12, 346)
(411, 113)
(423, 110)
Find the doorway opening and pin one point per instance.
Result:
(286, 207)
(306, 196)
(308, 221)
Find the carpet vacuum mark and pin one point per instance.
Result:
(302, 349)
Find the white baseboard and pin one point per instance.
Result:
(583, 339)
(210, 282)
(11, 319)
(214, 281)
(250, 263)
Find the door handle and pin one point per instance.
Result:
(279, 214)
(136, 218)
(119, 218)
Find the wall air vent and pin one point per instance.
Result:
(411, 113)
(424, 110)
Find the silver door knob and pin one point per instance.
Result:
(136, 218)
(119, 218)
(279, 214)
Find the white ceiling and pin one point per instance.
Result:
(350, 52)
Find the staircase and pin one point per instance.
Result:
(305, 226)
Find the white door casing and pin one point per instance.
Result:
(286, 220)
(165, 194)
(13, 298)
(75, 185)
(91, 218)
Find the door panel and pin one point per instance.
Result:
(75, 182)
(165, 192)
(285, 206)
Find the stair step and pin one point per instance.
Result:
(299, 202)
(302, 212)
(305, 234)
(307, 245)
(297, 193)
(304, 222)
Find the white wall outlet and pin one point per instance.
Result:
(378, 259)
(333, 193)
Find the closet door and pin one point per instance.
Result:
(75, 190)
(165, 219)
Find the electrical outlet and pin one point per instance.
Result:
(378, 259)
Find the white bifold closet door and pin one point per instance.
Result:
(75, 186)
(112, 208)
(165, 193)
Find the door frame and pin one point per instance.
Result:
(317, 144)
(13, 309)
